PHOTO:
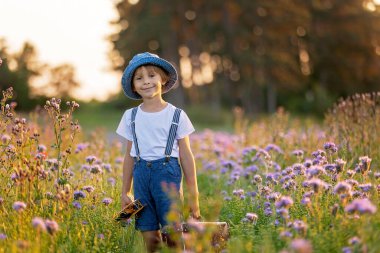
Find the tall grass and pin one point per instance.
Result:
(281, 183)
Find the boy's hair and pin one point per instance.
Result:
(164, 76)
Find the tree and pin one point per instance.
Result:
(61, 81)
(17, 71)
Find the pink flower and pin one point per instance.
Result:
(39, 224)
(19, 206)
(252, 217)
(285, 202)
(361, 206)
(301, 246)
(107, 201)
(51, 226)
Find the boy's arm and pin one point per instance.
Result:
(126, 190)
(188, 167)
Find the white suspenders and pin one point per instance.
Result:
(171, 137)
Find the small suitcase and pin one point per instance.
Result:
(192, 234)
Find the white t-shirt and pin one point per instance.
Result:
(152, 131)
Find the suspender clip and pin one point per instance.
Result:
(167, 158)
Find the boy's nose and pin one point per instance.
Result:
(146, 80)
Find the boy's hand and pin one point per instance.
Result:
(125, 200)
(196, 215)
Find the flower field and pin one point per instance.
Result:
(281, 184)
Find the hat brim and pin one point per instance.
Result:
(126, 80)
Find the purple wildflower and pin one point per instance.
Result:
(308, 163)
(111, 181)
(107, 167)
(284, 202)
(80, 147)
(347, 250)
(361, 206)
(5, 138)
(90, 159)
(365, 187)
(252, 217)
(274, 196)
(305, 201)
(79, 194)
(210, 166)
(298, 153)
(3, 236)
(41, 148)
(365, 163)
(257, 179)
(96, 169)
(119, 160)
(342, 187)
(19, 206)
(252, 194)
(265, 191)
(285, 234)
(238, 192)
(51, 226)
(299, 168)
(101, 236)
(268, 211)
(352, 182)
(301, 246)
(227, 198)
(354, 240)
(317, 184)
(330, 147)
(39, 224)
(300, 226)
(283, 212)
(107, 201)
(88, 188)
(315, 171)
(77, 205)
(249, 150)
(318, 153)
(330, 167)
(273, 147)
(340, 163)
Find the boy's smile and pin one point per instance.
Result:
(147, 83)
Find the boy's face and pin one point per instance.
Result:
(147, 83)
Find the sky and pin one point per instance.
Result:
(66, 31)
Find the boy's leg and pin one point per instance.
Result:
(152, 240)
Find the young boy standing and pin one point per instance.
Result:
(158, 146)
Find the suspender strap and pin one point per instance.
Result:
(172, 133)
(133, 118)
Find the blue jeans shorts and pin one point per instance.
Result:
(151, 179)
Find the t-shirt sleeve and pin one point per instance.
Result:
(185, 127)
(124, 128)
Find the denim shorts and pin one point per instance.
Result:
(151, 179)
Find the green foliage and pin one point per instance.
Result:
(230, 167)
(297, 54)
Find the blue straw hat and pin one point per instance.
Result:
(147, 59)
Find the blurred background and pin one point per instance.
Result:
(254, 55)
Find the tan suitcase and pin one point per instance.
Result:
(199, 236)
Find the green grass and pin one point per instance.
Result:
(92, 116)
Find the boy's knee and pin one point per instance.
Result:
(152, 240)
